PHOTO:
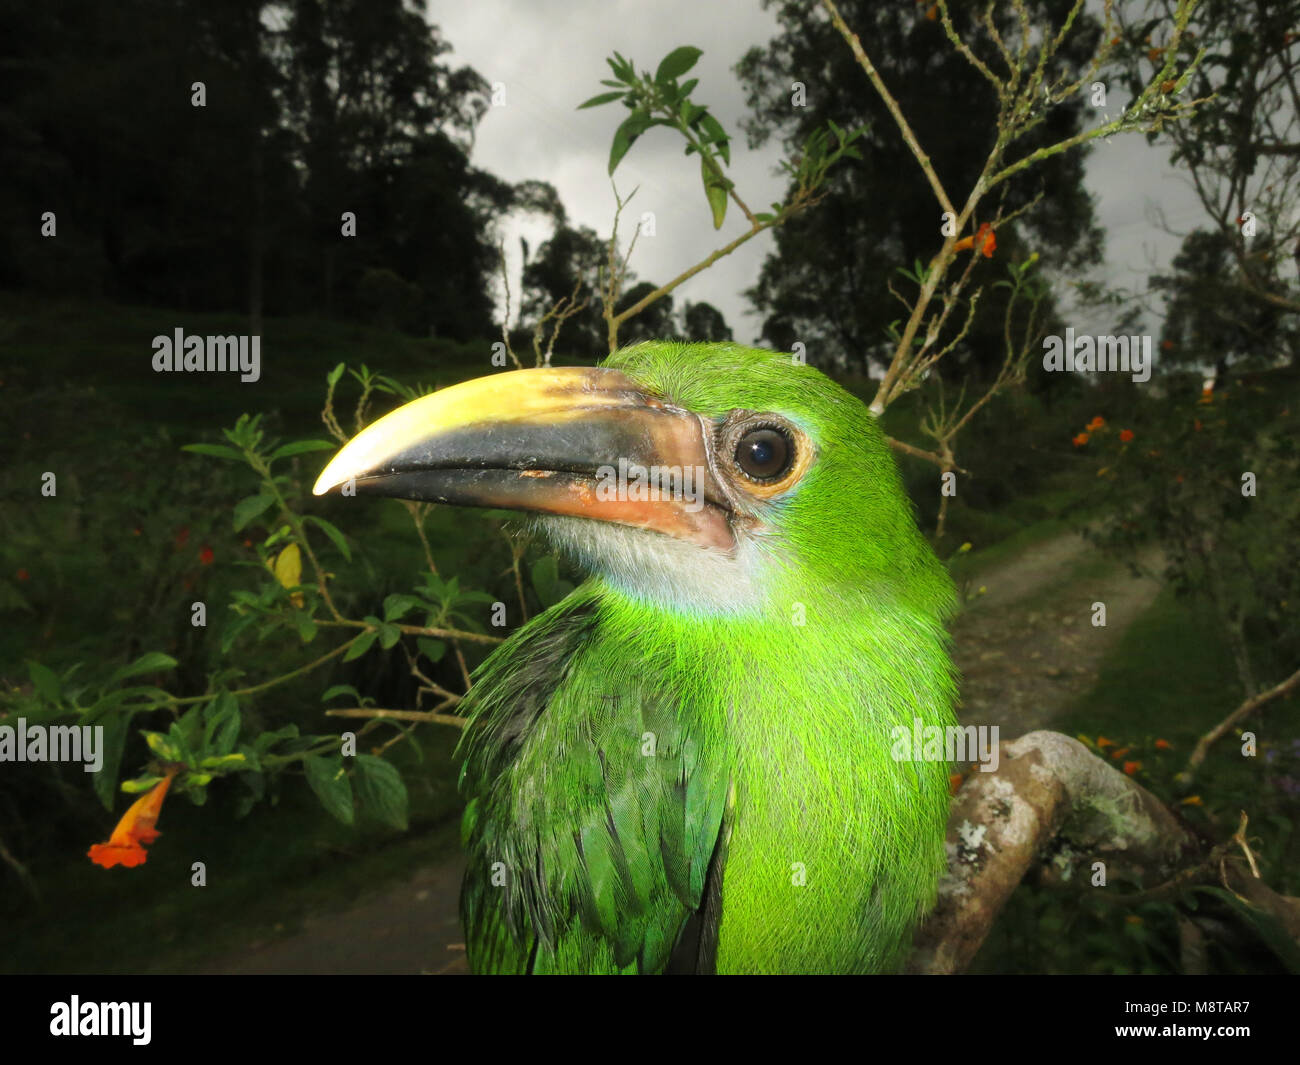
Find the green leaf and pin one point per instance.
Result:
(603, 98)
(251, 761)
(330, 783)
(235, 628)
(139, 784)
(389, 635)
(622, 66)
(332, 378)
(220, 451)
(163, 747)
(716, 193)
(267, 740)
(112, 744)
(361, 646)
(432, 649)
(341, 689)
(381, 791)
(475, 597)
(717, 136)
(223, 724)
(250, 507)
(676, 63)
(225, 761)
(189, 728)
(45, 680)
(150, 662)
(305, 625)
(332, 531)
(625, 136)
(299, 447)
(397, 605)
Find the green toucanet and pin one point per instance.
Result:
(689, 763)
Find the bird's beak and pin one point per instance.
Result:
(574, 441)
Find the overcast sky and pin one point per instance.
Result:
(550, 57)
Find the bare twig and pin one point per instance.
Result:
(1225, 726)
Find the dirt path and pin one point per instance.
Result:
(1026, 649)
(411, 927)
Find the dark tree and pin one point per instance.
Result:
(826, 283)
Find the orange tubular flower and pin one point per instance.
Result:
(1131, 767)
(1081, 439)
(984, 239)
(126, 845)
(1096, 423)
(1125, 435)
(1103, 742)
(1164, 745)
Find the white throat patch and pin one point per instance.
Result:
(665, 571)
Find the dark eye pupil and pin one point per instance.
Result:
(764, 454)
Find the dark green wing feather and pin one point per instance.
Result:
(592, 815)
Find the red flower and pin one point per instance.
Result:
(126, 845)
(1167, 345)
(1131, 767)
(23, 575)
(182, 537)
(1196, 424)
(1164, 745)
(1081, 439)
(135, 531)
(1125, 435)
(206, 556)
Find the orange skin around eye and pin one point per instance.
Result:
(126, 845)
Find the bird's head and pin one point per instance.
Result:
(714, 478)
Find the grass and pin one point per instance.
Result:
(1167, 664)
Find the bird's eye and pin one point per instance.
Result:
(765, 454)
